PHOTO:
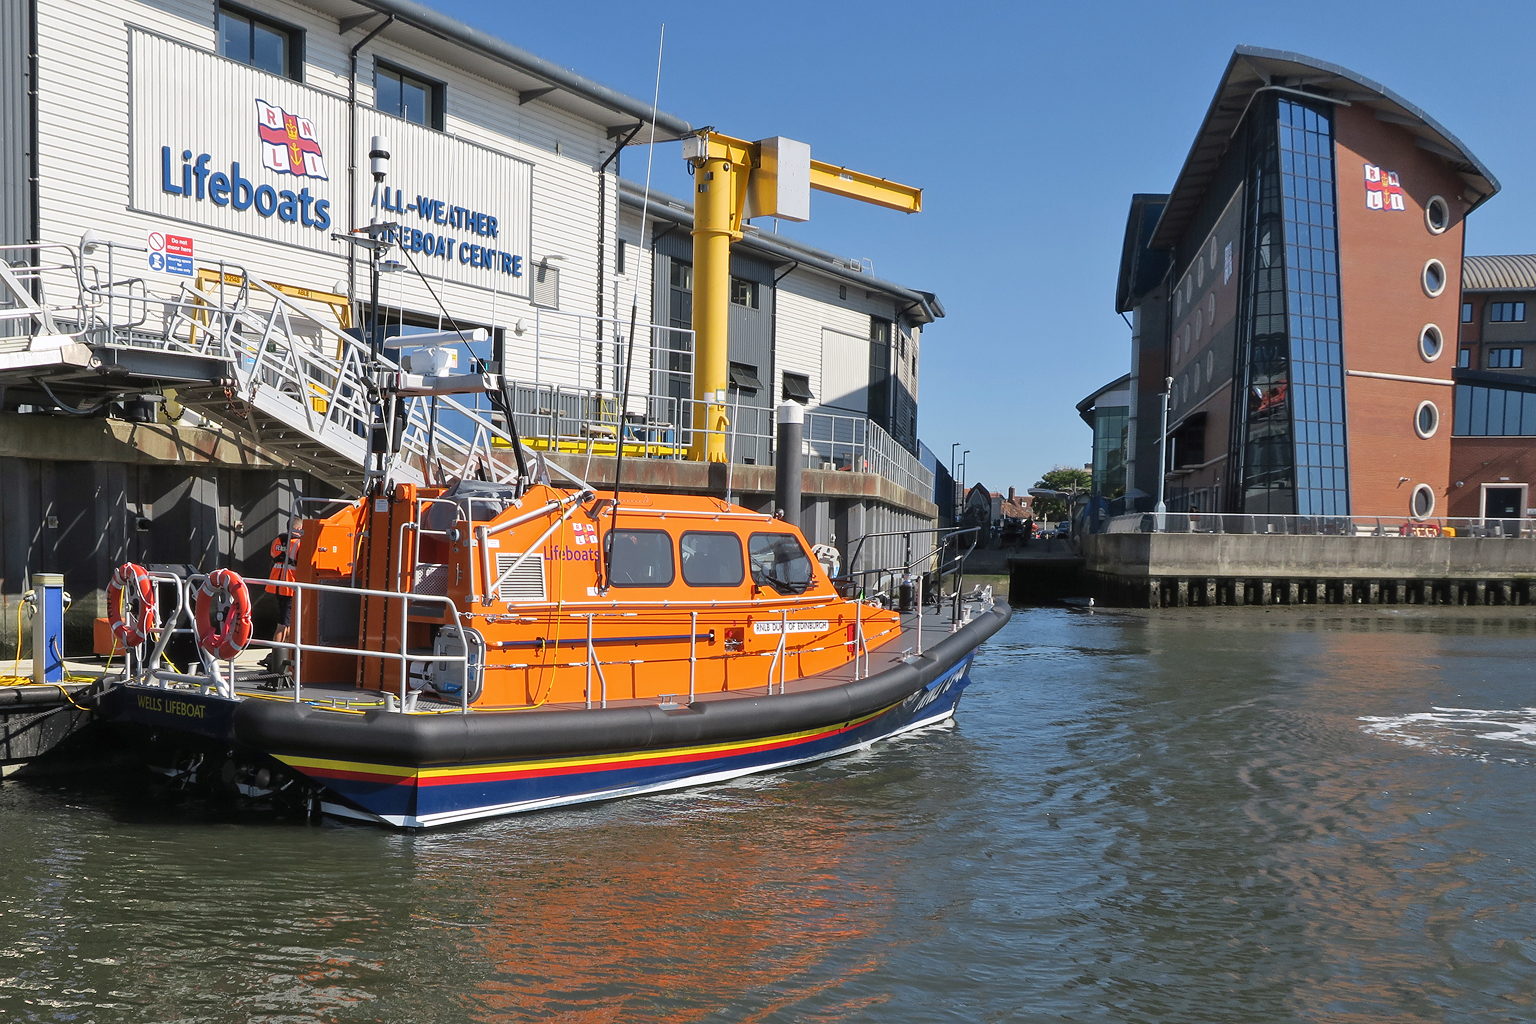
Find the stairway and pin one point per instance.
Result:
(299, 387)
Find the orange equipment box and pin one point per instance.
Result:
(102, 640)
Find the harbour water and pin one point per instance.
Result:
(1206, 815)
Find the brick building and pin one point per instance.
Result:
(1300, 286)
(1493, 442)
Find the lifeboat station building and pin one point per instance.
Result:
(1300, 285)
(179, 171)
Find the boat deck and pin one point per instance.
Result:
(252, 681)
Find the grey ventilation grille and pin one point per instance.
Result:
(526, 584)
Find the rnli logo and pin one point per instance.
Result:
(1382, 190)
(586, 533)
(288, 143)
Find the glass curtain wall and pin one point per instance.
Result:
(1290, 415)
(1312, 279)
(1110, 428)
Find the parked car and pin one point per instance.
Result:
(1064, 528)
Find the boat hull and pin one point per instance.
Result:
(425, 797)
(421, 771)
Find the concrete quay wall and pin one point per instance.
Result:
(1145, 569)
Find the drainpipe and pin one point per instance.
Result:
(602, 242)
(352, 153)
(34, 173)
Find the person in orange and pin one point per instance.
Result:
(285, 554)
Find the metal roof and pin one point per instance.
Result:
(435, 34)
(1252, 69)
(1498, 274)
(1086, 406)
(1140, 268)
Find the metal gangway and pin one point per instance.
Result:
(240, 352)
(280, 365)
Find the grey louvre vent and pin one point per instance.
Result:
(526, 584)
(546, 286)
(797, 388)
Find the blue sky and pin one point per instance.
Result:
(1028, 126)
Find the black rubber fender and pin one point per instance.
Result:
(382, 737)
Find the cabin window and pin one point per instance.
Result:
(780, 562)
(711, 559)
(640, 558)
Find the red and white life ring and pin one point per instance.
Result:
(131, 584)
(224, 591)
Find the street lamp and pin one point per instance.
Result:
(954, 499)
(1161, 509)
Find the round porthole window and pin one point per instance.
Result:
(1210, 366)
(1426, 420)
(1434, 278)
(1422, 504)
(1431, 343)
(1437, 215)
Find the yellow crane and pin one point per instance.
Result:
(735, 180)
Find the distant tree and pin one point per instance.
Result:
(1068, 480)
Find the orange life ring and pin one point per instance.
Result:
(133, 629)
(229, 638)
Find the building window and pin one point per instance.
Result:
(1466, 312)
(619, 257)
(398, 92)
(1426, 420)
(268, 45)
(797, 388)
(1506, 312)
(744, 292)
(1437, 215)
(842, 291)
(1505, 358)
(879, 402)
(1422, 504)
(1431, 343)
(1494, 412)
(744, 378)
(1464, 358)
(1433, 278)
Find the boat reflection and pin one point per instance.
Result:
(750, 897)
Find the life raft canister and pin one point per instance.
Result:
(131, 583)
(223, 593)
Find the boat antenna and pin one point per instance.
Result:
(634, 310)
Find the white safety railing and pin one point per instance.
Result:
(1319, 526)
(146, 665)
(296, 365)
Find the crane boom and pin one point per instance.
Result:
(722, 170)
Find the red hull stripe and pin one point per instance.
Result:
(533, 770)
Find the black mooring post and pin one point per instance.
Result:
(786, 461)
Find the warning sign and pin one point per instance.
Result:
(170, 254)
